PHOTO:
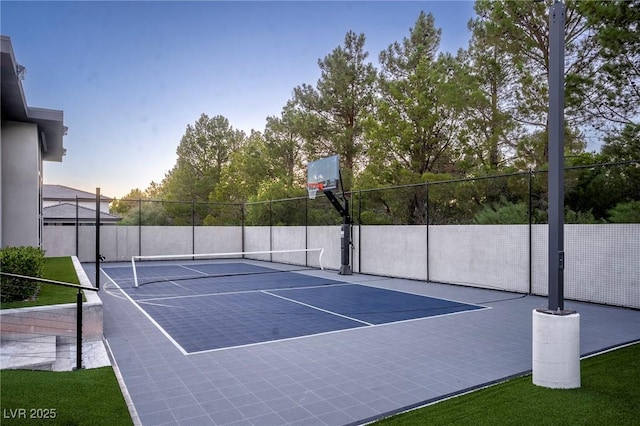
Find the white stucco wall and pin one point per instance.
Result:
(21, 168)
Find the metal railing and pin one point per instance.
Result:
(79, 302)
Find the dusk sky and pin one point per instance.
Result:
(130, 76)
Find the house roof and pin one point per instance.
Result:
(60, 192)
(67, 212)
(50, 122)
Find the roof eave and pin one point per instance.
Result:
(51, 128)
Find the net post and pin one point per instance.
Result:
(135, 274)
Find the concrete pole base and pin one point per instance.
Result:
(556, 349)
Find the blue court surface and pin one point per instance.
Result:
(211, 306)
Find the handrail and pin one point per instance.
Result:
(78, 307)
(44, 280)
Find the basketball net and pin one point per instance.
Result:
(313, 188)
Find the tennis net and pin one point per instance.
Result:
(160, 268)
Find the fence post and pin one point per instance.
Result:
(98, 238)
(79, 330)
(193, 227)
(530, 214)
(271, 229)
(77, 230)
(242, 224)
(306, 230)
(139, 226)
(359, 231)
(426, 218)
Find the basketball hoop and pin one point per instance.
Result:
(313, 188)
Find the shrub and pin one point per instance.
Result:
(21, 261)
(628, 212)
(507, 213)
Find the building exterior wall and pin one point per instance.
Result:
(21, 185)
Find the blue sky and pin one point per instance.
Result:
(130, 76)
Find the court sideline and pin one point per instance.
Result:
(347, 377)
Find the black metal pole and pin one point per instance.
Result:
(426, 216)
(77, 229)
(242, 206)
(98, 238)
(193, 228)
(79, 330)
(359, 231)
(530, 215)
(306, 230)
(556, 156)
(139, 226)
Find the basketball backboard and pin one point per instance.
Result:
(323, 174)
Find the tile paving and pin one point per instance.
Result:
(347, 377)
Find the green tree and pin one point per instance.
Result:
(617, 86)
(334, 109)
(416, 127)
(241, 176)
(203, 151)
(520, 31)
(416, 124)
(284, 142)
(489, 129)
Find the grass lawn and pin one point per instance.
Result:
(83, 397)
(55, 268)
(610, 394)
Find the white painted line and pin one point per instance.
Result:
(187, 296)
(159, 304)
(191, 269)
(275, 341)
(316, 308)
(162, 330)
(178, 285)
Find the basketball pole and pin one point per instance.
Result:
(326, 171)
(345, 231)
(556, 331)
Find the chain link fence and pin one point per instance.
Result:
(485, 231)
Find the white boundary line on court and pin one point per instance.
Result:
(191, 269)
(315, 307)
(162, 330)
(188, 296)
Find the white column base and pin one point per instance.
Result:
(556, 350)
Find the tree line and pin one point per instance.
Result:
(420, 114)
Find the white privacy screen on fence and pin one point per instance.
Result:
(601, 260)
